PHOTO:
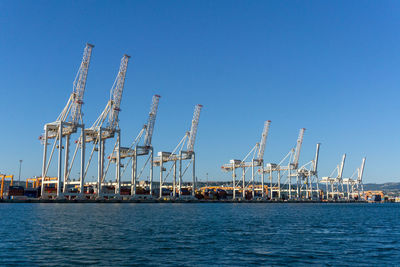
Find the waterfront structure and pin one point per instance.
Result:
(336, 183)
(137, 149)
(305, 187)
(308, 178)
(67, 124)
(107, 127)
(257, 160)
(179, 155)
(355, 186)
(287, 167)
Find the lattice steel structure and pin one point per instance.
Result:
(179, 155)
(257, 160)
(355, 186)
(287, 167)
(67, 124)
(138, 149)
(107, 127)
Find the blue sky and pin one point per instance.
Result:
(331, 67)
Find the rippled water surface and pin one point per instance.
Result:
(199, 234)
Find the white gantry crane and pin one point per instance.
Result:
(180, 155)
(107, 126)
(67, 123)
(138, 148)
(335, 182)
(257, 160)
(308, 175)
(295, 164)
(287, 166)
(354, 186)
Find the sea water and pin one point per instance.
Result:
(195, 234)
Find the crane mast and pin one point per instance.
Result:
(151, 121)
(298, 148)
(193, 129)
(263, 142)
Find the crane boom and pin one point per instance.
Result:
(72, 111)
(361, 170)
(151, 120)
(315, 165)
(263, 142)
(340, 174)
(193, 129)
(116, 93)
(80, 84)
(298, 148)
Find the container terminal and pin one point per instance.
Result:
(167, 172)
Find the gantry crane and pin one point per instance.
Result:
(180, 155)
(257, 161)
(295, 164)
(335, 182)
(106, 127)
(308, 175)
(355, 185)
(290, 168)
(360, 184)
(2, 186)
(138, 149)
(260, 158)
(67, 123)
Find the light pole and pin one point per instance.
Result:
(19, 176)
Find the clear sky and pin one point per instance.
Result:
(329, 66)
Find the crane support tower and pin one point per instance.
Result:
(67, 124)
(106, 127)
(179, 156)
(257, 160)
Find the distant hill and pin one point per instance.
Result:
(387, 187)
